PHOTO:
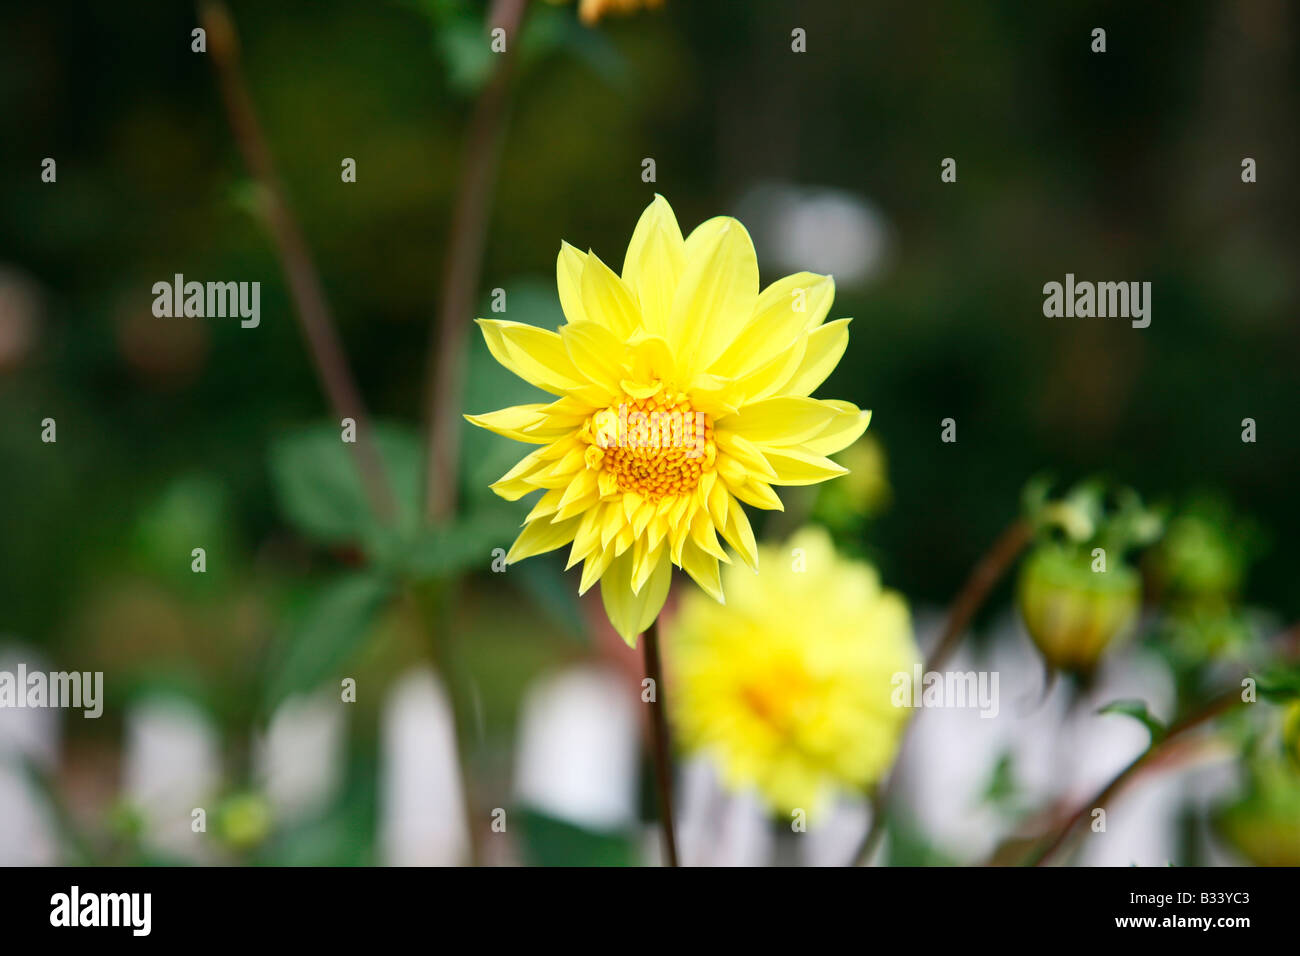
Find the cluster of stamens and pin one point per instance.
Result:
(654, 446)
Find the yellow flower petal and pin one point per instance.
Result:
(786, 309)
(568, 279)
(826, 347)
(512, 422)
(653, 267)
(537, 356)
(842, 432)
(631, 612)
(795, 467)
(645, 560)
(539, 537)
(596, 353)
(746, 453)
(716, 295)
(770, 379)
(608, 301)
(784, 421)
(703, 569)
(515, 483)
(586, 542)
(546, 505)
(739, 534)
(759, 494)
(596, 565)
(705, 536)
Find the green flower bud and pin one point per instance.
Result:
(1210, 628)
(845, 504)
(1072, 612)
(1291, 732)
(1201, 558)
(1264, 825)
(244, 820)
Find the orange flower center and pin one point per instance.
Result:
(774, 695)
(655, 446)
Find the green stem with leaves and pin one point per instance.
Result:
(313, 311)
(464, 265)
(462, 269)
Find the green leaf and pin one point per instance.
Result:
(190, 512)
(542, 579)
(1002, 789)
(550, 841)
(1280, 682)
(461, 544)
(316, 482)
(1138, 711)
(907, 844)
(464, 47)
(549, 31)
(325, 633)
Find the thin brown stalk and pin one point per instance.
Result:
(1151, 756)
(463, 267)
(314, 317)
(437, 608)
(984, 577)
(660, 742)
(1213, 709)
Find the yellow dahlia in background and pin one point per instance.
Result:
(592, 10)
(789, 686)
(681, 391)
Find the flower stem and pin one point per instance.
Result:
(984, 577)
(313, 310)
(464, 265)
(659, 738)
(436, 606)
(1211, 710)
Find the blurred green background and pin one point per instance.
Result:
(1122, 166)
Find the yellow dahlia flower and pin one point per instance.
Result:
(790, 685)
(682, 391)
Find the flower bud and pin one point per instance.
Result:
(1202, 557)
(244, 820)
(1291, 732)
(1073, 612)
(1264, 825)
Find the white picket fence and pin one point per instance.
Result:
(578, 756)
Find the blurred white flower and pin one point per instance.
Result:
(578, 746)
(833, 838)
(422, 811)
(300, 758)
(719, 827)
(816, 228)
(27, 832)
(171, 767)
